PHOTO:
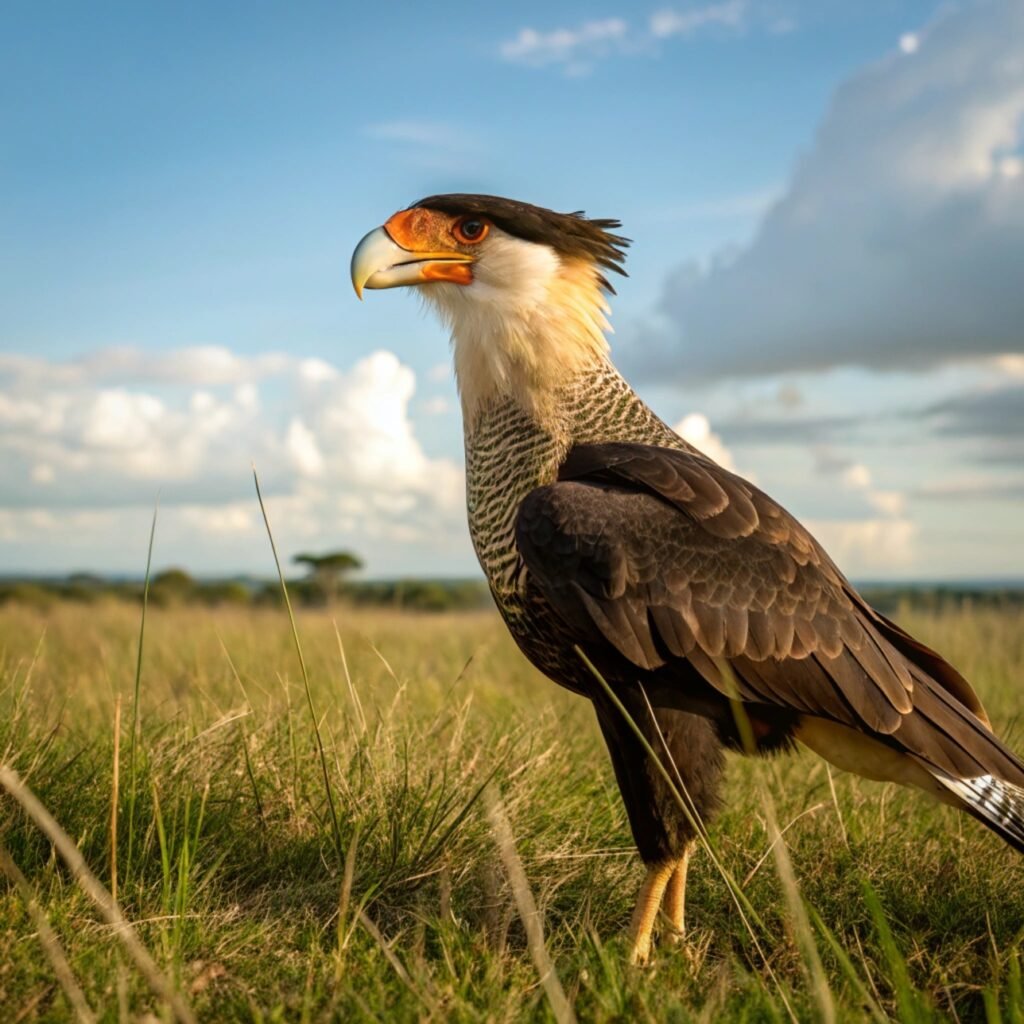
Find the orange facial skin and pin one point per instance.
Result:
(434, 236)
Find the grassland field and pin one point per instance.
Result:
(273, 878)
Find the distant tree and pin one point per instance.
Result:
(171, 586)
(172, 579)
(329, 570)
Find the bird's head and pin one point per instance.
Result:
(521, 288)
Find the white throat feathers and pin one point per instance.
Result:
(530, 321)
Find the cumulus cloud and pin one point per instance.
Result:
(867, 545)
(696, 429)
(900, 238)
(84, 440)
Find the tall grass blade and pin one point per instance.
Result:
(335, 827)
(392, 958)
(908, 1001)
(1014, 991)
(527, 907)
(357, 704)
(132, 750)
(115, 797)
(846, 965)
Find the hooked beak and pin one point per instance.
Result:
(380, 262)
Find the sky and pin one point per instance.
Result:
(826, 202)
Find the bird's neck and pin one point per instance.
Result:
(526, 345)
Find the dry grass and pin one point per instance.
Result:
(234, 877)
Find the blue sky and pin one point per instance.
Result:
(183, 185)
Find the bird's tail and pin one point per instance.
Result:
(994, 802)
(968, 762)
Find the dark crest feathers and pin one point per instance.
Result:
(569, 234)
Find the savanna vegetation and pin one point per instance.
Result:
(322, 846)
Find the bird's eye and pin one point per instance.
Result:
(470, 229)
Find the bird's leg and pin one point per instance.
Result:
(674, 907)
(647, 906)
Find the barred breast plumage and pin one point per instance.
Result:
(508, 455)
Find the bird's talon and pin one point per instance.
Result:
(640, 954)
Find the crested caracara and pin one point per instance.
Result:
(599, 527)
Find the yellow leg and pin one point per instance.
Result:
(646, 913)
(674, 907)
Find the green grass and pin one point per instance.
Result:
(259, 909)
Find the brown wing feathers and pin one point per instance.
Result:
(664, 555)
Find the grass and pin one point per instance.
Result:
(430, 731)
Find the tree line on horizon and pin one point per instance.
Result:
(326, 583)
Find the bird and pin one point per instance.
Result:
(698, 600)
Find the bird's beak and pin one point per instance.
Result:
(379, 261)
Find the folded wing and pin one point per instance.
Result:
(666, 557)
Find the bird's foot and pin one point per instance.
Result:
(640, 952)
(646, 913)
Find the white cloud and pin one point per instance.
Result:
(335, 449)
(576, 50)
(696, 429)
(899, 238)
(730, 14)
(302, 447)
(867, 545)
(316, 371)
(591, 40)
(119, 419)
(910, 42)
(232, 518)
